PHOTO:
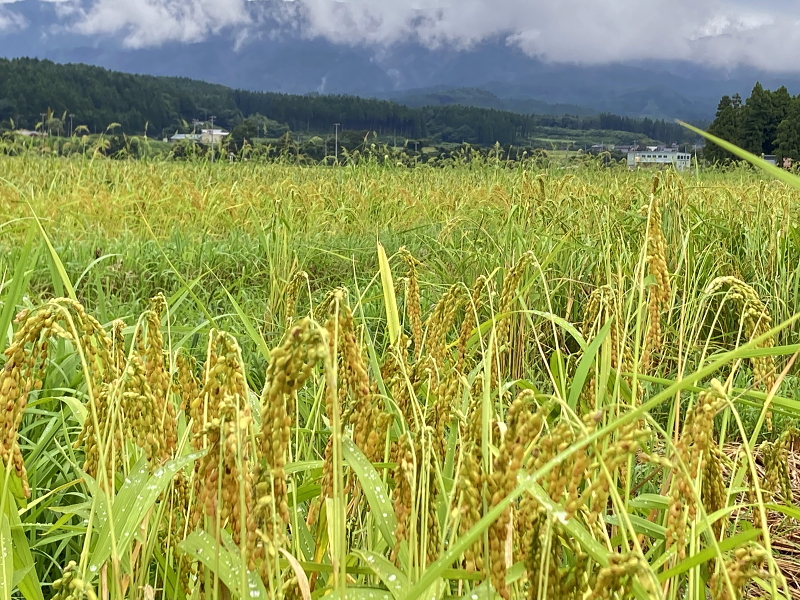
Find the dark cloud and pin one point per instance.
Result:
(706, 31)
(713, 32)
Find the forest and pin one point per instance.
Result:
(767, 122)
(73, 95)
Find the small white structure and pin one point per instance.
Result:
(28, 133)
(179, 137)
(213, 136)
(663, 157)
(206, 136)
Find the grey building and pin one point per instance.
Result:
(659, 157)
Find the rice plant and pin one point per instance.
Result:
(535, 385)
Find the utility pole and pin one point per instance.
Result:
(336, 150)
(195, 137)
(43, 115)
(212, 137)
(70, 124)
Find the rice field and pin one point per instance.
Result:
(264, 381)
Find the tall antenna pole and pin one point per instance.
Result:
(336, 150)
(70, 124)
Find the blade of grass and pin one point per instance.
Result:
(394, 580)
(389, 298)
(586, 362)
(222, 562)
(778, 173)
(22, 271)
(23, 562)
(252, 331)
(708, 553)
(6, 559)
(63, 278)
(131, 505)
(373, 486)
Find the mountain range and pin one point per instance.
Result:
(492, 74)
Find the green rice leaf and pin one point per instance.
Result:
(6, 559)
(389, 298)
(11, 300)
(131, 505)
(23, 563)
(360, 593)
(374, 489)
(708, 553)
(62, 281)
(585, 364)
(778, 173)
(394, 580)
(224, 564)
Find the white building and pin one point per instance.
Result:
(213, 136)
(179, 137)
(28, 133)
(656, 157)
(206, 136)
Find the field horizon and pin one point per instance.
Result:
(273, 381)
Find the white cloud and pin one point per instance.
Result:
(713, 32)
(761, 33)
(143, 23)
(10, 20)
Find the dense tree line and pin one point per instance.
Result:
(656, 129)
(314, 112)
(161, 106)
(98, 97)
(766, 123)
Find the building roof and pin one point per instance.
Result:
(660, 151)
(28, 133)
(204, 134)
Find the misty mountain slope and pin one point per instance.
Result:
(405, 72)
(483, 98)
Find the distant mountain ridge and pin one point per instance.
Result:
(408, 73)
(483, 98)
(95, 97)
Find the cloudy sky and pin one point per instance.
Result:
(712, 32)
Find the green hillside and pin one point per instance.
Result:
(32, 90)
